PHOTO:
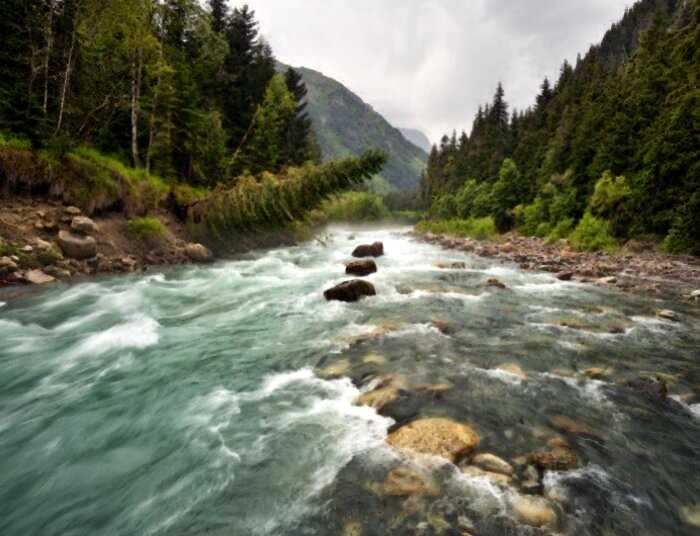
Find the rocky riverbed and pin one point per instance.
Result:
(637, 268)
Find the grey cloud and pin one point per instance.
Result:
(428, 64)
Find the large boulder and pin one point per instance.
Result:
(77, 247)
(350, 291)
(361, 268)
(369, 250)
(83, 225)
(198, 253)
(435, 436)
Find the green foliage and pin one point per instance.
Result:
(593, 234)
(617, 136)
(355, 206)
(8, 141)
(279, 200)
(477, 228)
(685, 232)
(561, 230)
(147, 228)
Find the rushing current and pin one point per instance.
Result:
(193, 400)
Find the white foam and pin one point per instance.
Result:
(501, 375)
(139, 332)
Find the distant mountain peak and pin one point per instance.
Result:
(418, 138)
(346, 125)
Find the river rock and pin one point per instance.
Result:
(565, 276)
(369, 250)
(570, 426)
(495, 283)
(695, 295)
(7, 265)
(492, 463)
(514, 369)
(533, 511)
(361, 268)
(83, 225)
(37, 277)
(335, 370)
(691, 514)
(378, 398)
(198, 253)
(443, 326)
(558, 459)
(435, 436)
(374, 359)
(405, 482)
(72, 211)
(350, 291)
(596, 373)
(497, 478)
(77, 247)
(667, 314)
(654, 389)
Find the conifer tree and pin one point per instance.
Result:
(219, 15)
(300, 137)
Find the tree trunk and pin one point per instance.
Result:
(136, 68)
(66, 81)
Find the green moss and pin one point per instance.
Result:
(148, 228)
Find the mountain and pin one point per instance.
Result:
(417, 138)
(609, 152)
(345, 125)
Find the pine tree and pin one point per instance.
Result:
(499, 109)
(300, 137)
(219, 15)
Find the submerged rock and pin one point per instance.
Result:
(596, 373)
(435, 436)
(350, 291)
(77, 247)
(667, 314)
(378, 398)
(565, 276)
(654, 389)
(495, 283)
(691, 514)
(514, 369)
(497, 478)
(369, 250)
(558, 459)
(374, 359)
(570, 426)
(361, 268)
(492, 463)
(533, 511)
(443, 326)
(405, 482)
(335, 370)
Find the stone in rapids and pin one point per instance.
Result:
(435, 436)
(361, 268)
(492, 463)
(533, 511)
(350, 291)
(405, 482)
(369, 250)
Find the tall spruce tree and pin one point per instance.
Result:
(301, 146)
(219, 15)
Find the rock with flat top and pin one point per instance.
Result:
(369, 250)
(77, 247)
(492, 463)
(37, 277)
(533, 511)
(350, 291)
(72, 211)
(361, 268)
(198, 253)
(667, 314)
(435, 436)
(83, 225)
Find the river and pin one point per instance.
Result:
(190, 400)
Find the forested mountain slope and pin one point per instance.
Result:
(345, 125)
(417, 138)
(611, 149)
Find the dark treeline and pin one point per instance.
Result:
(612, 148)
(180, 90)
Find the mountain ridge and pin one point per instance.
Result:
(345, 125)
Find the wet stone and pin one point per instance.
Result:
(436, 436)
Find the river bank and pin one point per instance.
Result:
(636, 268)
(43, 241)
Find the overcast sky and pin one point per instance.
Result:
(428, 64)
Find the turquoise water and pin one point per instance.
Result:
(190, 400)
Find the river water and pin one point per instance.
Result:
(190, 400)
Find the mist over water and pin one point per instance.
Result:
(189, 401)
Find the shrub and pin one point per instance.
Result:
(7, 141)
(593, 234)
(148, 228)
(355, 207)
(561, 230)
(684, 236)
(444, 207)
(477, 228)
